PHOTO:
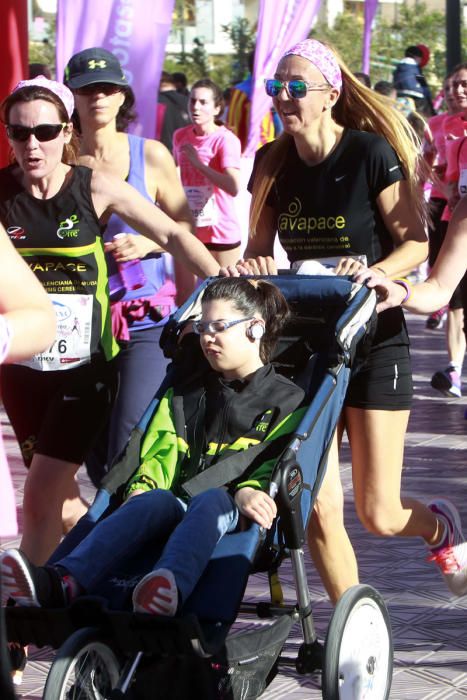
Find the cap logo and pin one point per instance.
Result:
(92, 64)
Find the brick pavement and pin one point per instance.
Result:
(429, 625)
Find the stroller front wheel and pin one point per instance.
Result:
(84, 667)
(358, 653)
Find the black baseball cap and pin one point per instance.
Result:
(94, 65)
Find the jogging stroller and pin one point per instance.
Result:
(105, 654)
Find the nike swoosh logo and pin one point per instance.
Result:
(340, 177)
(394, 167)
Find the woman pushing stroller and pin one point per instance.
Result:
(238, 403)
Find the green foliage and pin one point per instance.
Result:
(225, 70)
(346, 36)
(412, 25)
(199, 59)
(242, 36)
(44, 51)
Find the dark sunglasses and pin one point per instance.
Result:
(296, 89)
(105, 88)
(42, 132)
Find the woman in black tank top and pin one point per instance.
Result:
(54, 213)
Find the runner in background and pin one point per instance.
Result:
(208, 155)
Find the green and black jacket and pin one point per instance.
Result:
(196, 428)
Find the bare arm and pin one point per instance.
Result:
(258, 258)
(112, 195)
(227, 180)
(168, 191)
(406, 230)
(164, 185)
(24, 303)
(446, 274)
(449, 268)
(171, 198)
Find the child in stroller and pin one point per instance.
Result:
(239, 405)
(106, 652)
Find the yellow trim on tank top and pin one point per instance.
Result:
(64, 252)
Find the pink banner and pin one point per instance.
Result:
(281, 24)
(370, 10)
(135, 31)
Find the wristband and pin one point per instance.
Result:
(376, 267)
(407, 286)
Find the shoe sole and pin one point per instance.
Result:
(143, 593)
(442, 384)
(16, 580)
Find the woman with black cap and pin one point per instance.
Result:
(104, 104)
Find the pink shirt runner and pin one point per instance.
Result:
(213, 208)
(455, 132)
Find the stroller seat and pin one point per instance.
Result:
(319, 349)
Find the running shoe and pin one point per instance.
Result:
(451, 554)
(448, 382)
(156, 594)
(29, 585)
(436, 320)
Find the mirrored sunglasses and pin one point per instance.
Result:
(296, 89)
(220, 326)
(42, 132)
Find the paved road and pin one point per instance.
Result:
(429, 625)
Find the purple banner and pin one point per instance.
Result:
(135, 31)
(281, 24)
(370, 10)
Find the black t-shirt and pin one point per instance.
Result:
(330, 209)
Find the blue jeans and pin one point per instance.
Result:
(149, 531)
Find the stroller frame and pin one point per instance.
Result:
(343, 313)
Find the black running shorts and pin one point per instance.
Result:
(384, 381)
(58, 414)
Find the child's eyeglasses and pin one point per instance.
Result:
(296, 89)
(42, 132)
(213, 327)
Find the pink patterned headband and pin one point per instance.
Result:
(321, 57)
(60, 90)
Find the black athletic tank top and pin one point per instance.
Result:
(61, 240)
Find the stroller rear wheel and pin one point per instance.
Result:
(85, 668)
(358, 654)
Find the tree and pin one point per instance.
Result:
(412, 25)
(242, 37)
(44, 51)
